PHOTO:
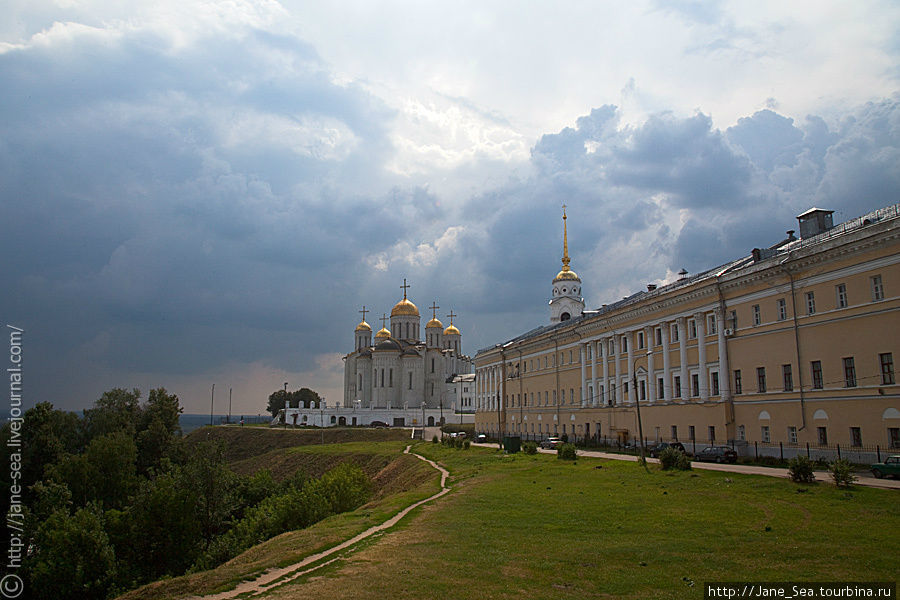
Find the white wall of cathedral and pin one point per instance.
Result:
(434, 337)
(363, 340)
(405, 327)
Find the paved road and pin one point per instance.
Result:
(865, 479)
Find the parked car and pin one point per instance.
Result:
(378, 424)
(890, 466)
(658, 448)
(719, 454)
(480, 438)
(551, 443)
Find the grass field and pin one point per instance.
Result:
(535, 527)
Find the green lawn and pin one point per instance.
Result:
(536, 527)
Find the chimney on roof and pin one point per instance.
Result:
(682, 274)
(790, 234)
(815, 221)
(651, 287)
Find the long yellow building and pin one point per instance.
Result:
(791, 345)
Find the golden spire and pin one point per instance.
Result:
(566, 273)
(565, 258)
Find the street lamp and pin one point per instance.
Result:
(284, 422)
(637, 403)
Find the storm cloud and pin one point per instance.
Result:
(215, 204)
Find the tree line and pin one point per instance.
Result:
(117, 497)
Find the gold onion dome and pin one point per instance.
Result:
(434, 323)
(383, 334)
(363, 326)
(404, 308)
(451, 330)
(566, 274)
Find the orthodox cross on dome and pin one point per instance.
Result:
(451, 315)
(434, 308)
(384, 319)
(364, 311)
(565, 258)
(405, 287)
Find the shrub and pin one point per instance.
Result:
(434, 440)
(466, 444)
(530, 447)
(842, 473)
(566, 452)
(565, 438)
(671, 458)
(800, 469)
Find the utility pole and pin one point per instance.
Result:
(229, 406)
(212, 397)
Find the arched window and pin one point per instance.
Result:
(565, 316)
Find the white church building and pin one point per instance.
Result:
(401, 378)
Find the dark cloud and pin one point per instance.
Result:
(177, 209)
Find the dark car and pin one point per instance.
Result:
(480, 438)
(719, 454)
(890, 466)
(656, 450)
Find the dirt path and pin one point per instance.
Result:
(273, 578)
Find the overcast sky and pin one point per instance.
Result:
(198, 192)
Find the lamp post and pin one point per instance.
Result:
(284, 422)
(322, 417)
(637, 404)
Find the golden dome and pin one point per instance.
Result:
(566, 275)
(383, 334)
(405, 308)
(451, 330)
(434, 323)
(363, 326)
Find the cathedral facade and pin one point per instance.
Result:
(402, 368)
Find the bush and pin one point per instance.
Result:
(672, 458)
(842, 473)
(566, 452)
(530, 447)
(565, 438)
(466, 444)
(800, 468)
(434, 440)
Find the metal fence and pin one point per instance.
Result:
(763, 451)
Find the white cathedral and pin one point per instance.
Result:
(400, 379)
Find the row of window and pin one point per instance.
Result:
(841, 300)
(886, 375)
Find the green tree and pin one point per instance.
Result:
(72, 557)
(277, 401)
(105, 473)
(116, 410)
(158, 534)
(207, 473)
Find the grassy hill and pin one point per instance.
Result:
(537, 527)
(398, 480)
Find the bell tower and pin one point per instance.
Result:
(566, 301)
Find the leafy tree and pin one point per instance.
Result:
(72, 557)
(116, 410)
(207, 473)
(302, 398)
(158, 534)
(105, 473)
(277, 401)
